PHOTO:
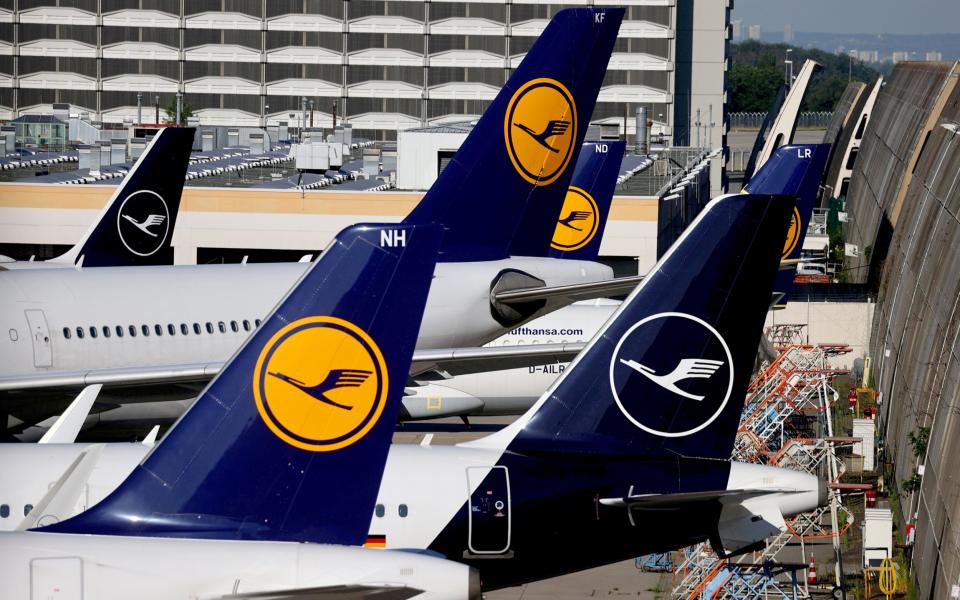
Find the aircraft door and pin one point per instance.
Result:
(56, 579)
(42, 346)
(489, 514)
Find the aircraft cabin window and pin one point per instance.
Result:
(222, 326)
(133, 331)
(209, 327)
(196, 328)
(106, 331)
(26, 509)
(402, 509)
(93, 331)
(246, 325)
(171, 329)
(158, 329)
(66, 333)
(233, 326)
(184, 329)
(257, 321)
(4, 511)
(80, 333)
(145, 329)
(378, 510)
(119, 329)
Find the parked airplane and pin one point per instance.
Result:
(583, 218)
(270, 458)
(587, 205)
(136, 225)
(794, 170)
(493, 390)
(164, 324)
(589, 472)
(800, 169)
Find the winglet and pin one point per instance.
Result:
(151, 438)
(705, 300)
(67, 426)
(583, 218)
(257, 458)
(136, 225)
(518, 159)
(61, 499)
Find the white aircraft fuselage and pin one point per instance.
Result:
(61, 320)
(46, 565)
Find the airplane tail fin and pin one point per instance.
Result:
(136, 225)
(583, 218)
(667, 374)
(519, 157)
(794, 170)
(289, 441)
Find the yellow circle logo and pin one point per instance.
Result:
(539, 130)
(578, 221)
(320, 383)
(793, 234)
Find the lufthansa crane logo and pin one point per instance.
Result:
(578, 221)
(793, 234)
(143, 222)
(671, 374)
(320, 383)
(539, 129)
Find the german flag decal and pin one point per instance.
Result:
(376, 541)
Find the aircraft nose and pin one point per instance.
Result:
(823, 492)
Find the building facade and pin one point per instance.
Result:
(384, 65)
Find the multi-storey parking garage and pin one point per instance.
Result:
(384, 65)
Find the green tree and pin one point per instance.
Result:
(758, 69)
(186, 111)
(752, 88)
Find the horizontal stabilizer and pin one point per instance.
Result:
(661, 501)
(575, 292)
(743, 524)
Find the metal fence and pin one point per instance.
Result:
(806, 120)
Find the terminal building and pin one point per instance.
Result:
(383, 65)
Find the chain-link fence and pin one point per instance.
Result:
(806, 120)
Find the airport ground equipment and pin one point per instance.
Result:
(798, 382)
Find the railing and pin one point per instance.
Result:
(806, 120)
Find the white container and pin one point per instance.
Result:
(877, 536)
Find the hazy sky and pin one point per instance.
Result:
(852, 16)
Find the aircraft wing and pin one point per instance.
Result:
(184, 373)
(451, 361)
(341, 592)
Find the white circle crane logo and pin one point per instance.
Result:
(671, 374)
(143, 222)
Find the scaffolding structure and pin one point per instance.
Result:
(786, 423)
